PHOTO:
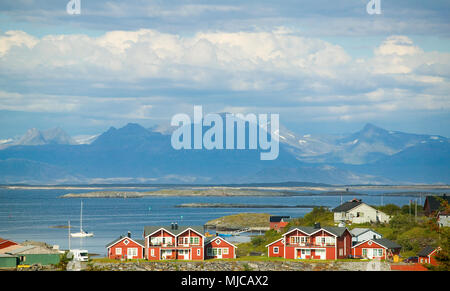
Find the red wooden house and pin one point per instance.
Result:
(322, 243)
(218, 248)
(174, 242)
(427, 255)
(376, 249)
(278, 222)
(126, 248)
(276, 248)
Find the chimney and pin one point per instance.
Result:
(317, 225)
(172, 225)
(176, 225)
(129, 234)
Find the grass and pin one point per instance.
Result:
(242, 220)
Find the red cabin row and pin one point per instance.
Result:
(322, 243)
(171, 243)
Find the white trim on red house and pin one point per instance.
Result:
(126, 237)
(275, 242)
(162, 228)
(323, 230)
(222, 239)
(189, 229)
(368, 241)
(296, 229)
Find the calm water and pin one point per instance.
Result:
(29, 214)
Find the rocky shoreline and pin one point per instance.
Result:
(235, 265)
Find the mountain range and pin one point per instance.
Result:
(134, 154)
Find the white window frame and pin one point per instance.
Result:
(132, 252)
(194, 240)
(225, 251)
(276, 250)
(118, 251)
(152, 252)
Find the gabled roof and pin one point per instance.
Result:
(348, 206)
(359, 231)
(426, 251)
(309, 230)
(208, 240)
(275, 218)
(138, 241)
(148, 230)
(275, 241)
(384, 242)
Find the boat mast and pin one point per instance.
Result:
(81, 217)
(69, 235)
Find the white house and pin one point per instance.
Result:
(356, 211)
(363, 234)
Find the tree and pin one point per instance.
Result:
(319, 214)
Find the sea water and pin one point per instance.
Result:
(32, 214)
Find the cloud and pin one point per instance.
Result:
(149, 74)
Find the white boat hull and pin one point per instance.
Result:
(81, 234)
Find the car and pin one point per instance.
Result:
(411, 260)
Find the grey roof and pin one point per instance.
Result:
(347, 206)
(426, 251)
(358, 231)
(181, 228)
(139, 241)
(387, 243)
(21, 250)
(275, 218)
(338, 231)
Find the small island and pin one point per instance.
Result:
(252, 221)
(212, 191)
(231, 205)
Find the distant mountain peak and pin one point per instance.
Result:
(371, 127)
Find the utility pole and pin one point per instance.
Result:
(410, 210)
(415, 212)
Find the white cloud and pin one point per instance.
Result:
(288, 71)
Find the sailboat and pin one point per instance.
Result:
(82, 233)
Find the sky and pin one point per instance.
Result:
(325, 67)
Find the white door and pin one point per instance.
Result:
(370, 253)
(321, 253)
(219, 253)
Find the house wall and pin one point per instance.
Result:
(278, 225)
(344, 245)
(159, 233)
(112, 251)
(223, 244)
(431, 259)
(8, 261)
(358, 251)
(43, 259)
(197, 255)
(361, 214)
(156, 253)
(331, 245)
(444, 220)
(280, 245)
(189, 234)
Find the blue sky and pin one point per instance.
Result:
(325, 68)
